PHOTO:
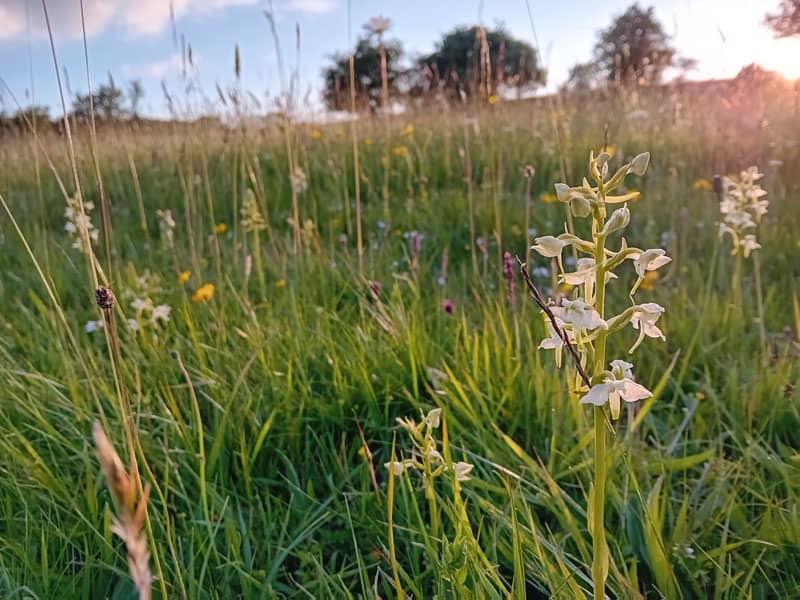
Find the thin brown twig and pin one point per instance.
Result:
(539, 299)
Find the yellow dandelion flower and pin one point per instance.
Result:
(316, 134)
(204, 293)
(281, 283)
(493, 99)
(220, 228)
(184, 277)
(368, 141)
(400, 151)
(649, 281)
(339, 132)
(548, 197)
(408, 130)
(702, 185)
(699, 395)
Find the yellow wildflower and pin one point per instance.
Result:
(700, 395)
(400, 151)
(649, 281)
(548, 197)
(408, 130)
(702, 185)
(316, 134)
(204, 293)
(493, 99)
(339, 132)
(184, 277)
(368, 141)
(220, 228)
(281, 283)
(565, 288)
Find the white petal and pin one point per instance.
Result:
(598, 394)
(634, 391)
(622, 367)
(462, 470)
(395, 467)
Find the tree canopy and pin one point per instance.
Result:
(786, 21)
(367, 68)
(107, 102)
(469, 59)
(634, 48)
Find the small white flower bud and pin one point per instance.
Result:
(619, 219)
(580, 206)
(563, 192)
(639, 164)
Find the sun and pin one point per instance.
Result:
(782, 56)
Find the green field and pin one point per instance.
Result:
(262, 417)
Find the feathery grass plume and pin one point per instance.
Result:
(253, 223)
(131, 512)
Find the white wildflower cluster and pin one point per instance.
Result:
(581, 322)
(299, 180)
(139, 298)
(742, 207)
(79, 224)
(425, 457)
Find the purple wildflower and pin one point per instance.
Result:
(508, 273)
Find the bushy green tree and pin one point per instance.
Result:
(367, 69)
(469, 59)
(634, 48)
(107, 101)
(786, 21)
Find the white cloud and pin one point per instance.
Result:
(157, 69)
(312, 7)
(136, 17)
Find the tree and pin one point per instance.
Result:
(136, 92)
(107, 103)
(470, 59)
(367, 68)
(785, 22)
(634, 49)
(582, 77)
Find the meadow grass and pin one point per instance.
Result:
(262, 418)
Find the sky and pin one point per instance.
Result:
(134, 39)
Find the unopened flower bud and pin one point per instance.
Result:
(639, 164)
(619, 219)
(563, 192)
(580, 206)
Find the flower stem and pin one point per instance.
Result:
(599, 547)
(598, 498)
(760, 307)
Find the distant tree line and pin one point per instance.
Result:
(108, 102)
(467, 63)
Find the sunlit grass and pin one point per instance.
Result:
(247, 401)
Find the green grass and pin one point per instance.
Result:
(261, 486)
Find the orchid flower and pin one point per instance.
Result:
(617, 384)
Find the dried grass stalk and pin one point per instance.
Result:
(129, 520)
